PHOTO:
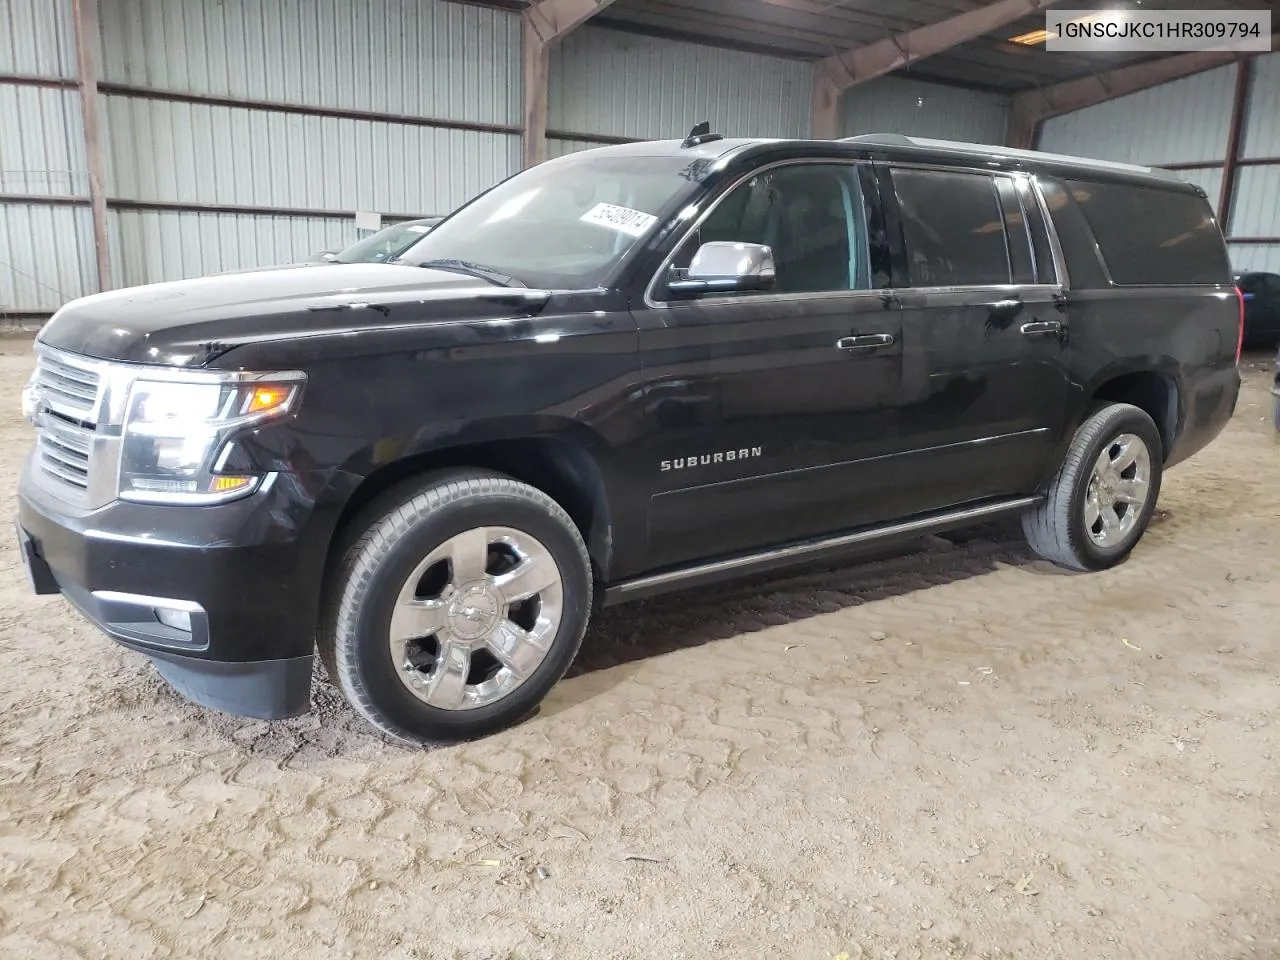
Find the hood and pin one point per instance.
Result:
(189, 322)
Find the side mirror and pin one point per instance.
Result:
(329, 256)
(725, 267)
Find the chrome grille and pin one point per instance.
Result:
(68, 391)
(64, 450)
(69, 387)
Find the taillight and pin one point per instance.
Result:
(1240, 334)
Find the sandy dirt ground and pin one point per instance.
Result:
(956, 753)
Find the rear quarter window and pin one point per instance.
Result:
(1150, 235)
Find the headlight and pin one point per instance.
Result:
(176, 427)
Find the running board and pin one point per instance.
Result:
(808, 550)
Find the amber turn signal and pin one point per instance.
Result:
(268, 397)
(224, 484)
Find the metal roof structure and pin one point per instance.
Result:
(815, 29)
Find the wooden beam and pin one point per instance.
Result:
(86, 27)
(543, 23)
(1235, 134)
(840, 71)
(1032, 107)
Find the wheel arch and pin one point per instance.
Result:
(1156, 389)
(563, 459)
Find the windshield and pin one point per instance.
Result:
(385, 244)
(564, 224)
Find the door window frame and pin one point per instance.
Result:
(893, 214)
(875, 201)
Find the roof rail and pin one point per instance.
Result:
(1011, 153)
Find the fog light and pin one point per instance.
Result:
(174, 619)
(30, 403)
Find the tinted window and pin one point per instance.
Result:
(811, 215)
(1084, 269)
(1015, 231)
(953, 228)
(1153, 235)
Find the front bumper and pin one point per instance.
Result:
(223, 600)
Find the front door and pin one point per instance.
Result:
(985, 340)
(775, 412)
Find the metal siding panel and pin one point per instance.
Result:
(1255, 256)
(628, 85)
(37, 38)
(1209, 179)
(1262, 119)
(41, 142)
(558, 147)
(194, 153)
(917, 108)
(46, 256)
(1185, 121)
(422, 58)
(161, 245)
(1255, 211)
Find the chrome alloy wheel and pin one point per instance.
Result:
(1118, 490)
(476, 618)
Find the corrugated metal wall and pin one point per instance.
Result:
(559, 146)
(917, 108)
(1256, 256)
(36, 38)
(622, 85)
(197, 153)
(46, 257)
(247, 132)
(419, 58)
(192, 92)
(1262, 122)
(1187, 121)
(398, 59)
(42, 149)
(154, 245)
(46, 248)
(1256, 211)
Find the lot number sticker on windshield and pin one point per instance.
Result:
(622, 219)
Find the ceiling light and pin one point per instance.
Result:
(1037, 37)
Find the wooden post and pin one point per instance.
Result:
(86, 25)
(543, 23)
(534, 59)
(825, 119)
(1235, 133)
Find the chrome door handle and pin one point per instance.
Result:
(866, 341)
(1042, 328)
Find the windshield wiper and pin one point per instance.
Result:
(474, 270)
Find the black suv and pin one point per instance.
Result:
(620, 372)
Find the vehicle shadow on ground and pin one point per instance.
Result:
(627, 634)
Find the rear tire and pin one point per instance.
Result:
(457, 608)
(1100, 501)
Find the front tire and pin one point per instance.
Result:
(456, 610)
(1101, 500)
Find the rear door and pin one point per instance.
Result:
(985, 350)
